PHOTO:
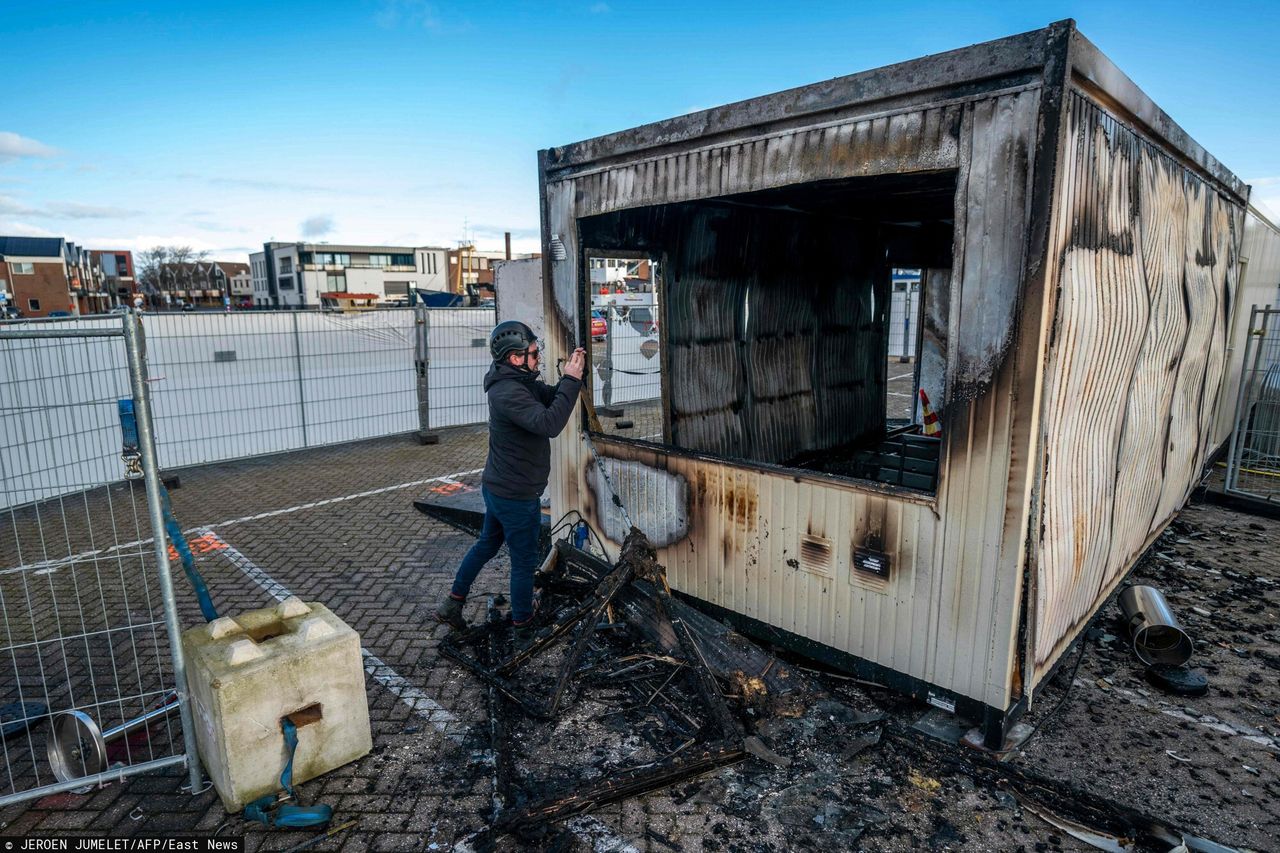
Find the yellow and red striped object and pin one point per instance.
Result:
(932, 426)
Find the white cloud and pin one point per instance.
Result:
(14, 146)
(146, 241)
(63, 210)
(76, 210)
(317, 226)
(24, 229)
(413, 13)
(262, 185)
(13, 207)
(599, 8)
(498, 232)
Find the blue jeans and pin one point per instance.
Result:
(518, 524)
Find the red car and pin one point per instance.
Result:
(598, 326)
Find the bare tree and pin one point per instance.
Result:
(151, 263)
(164, 269)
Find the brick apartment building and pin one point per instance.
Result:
(35, 275)
(118, 278)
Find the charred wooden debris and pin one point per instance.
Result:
(685, 684)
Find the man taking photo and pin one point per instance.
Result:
(524, 415)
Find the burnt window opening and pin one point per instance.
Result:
(776, 321)
(624, 344)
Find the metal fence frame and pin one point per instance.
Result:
(435, 359)
(451, 356)
(1253, 463)
(67, 640)
(239, 385)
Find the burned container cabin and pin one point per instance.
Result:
(1077, 256)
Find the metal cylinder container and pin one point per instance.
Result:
(1157, 637)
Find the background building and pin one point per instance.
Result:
(117, 270)
(35, 275)
(204, 284)
(469, 266)
(241, 279)
(85, 279)
(293, 275)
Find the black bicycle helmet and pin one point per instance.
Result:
(509, 336)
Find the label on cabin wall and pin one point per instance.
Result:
(946, 704)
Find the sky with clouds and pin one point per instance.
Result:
(222, 125)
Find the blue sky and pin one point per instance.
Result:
(221, 125)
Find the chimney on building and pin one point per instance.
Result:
(507, 235)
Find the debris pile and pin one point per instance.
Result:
(614, 635)
(628, 692)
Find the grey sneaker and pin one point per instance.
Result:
(450, 613)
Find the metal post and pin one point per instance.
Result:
(151, 475)
(302, 398)
(904, 356)
(422, 372)
(1241, 395)
(606, 409)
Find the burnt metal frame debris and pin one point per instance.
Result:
(636, 562)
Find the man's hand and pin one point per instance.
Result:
(576, 363)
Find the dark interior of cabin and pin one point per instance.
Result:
(774, 313)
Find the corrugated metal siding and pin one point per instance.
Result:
(778, 547)
(1259, 285)
(1147, 259)
(907, 141)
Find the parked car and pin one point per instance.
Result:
(599, 328)
(59, 313)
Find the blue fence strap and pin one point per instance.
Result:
(130, 446)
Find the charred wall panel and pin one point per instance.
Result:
(933, 339)
(1147, 260)
(778, 546)
(907, 141)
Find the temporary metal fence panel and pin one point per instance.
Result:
(904, 313)
(357, 375)
(232, 385)
(1253, 467)
(627, 374)
(457, 349)
(53, 441)
(225, 385)
(88, 628)
(629, 368)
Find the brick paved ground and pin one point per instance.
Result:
(381, 566)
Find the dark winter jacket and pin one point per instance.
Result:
(525, 413)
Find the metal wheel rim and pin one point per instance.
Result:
(76, 747)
